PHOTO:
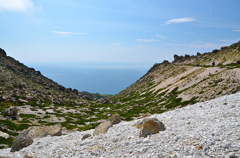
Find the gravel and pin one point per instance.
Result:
(207, 129)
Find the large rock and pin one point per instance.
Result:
(237, 89)
(11, 112)
(4, 135)
(21, 141)
(38, 132)
(115, 119)
(102, 128)
(150, 126)
(22, 101)
(25, 138)
(103, 100)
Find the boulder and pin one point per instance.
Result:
(213, 64)
(215, 51)
(30, 156)
(238, 62)
(38, 132)
(21, 141)
(22, 101)
(224, 47)
(115, 119)
(150, 126)
(102, 128)
(86, 136)
(25, 138)
(237, 89)
(11, 112)
(136, 123)
(4, 135)
(103, 100)
(2, 52)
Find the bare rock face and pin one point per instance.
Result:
(102, 128)
(25, 138)
(12, 112)
(115, 119)
(150, 126)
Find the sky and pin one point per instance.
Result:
(115, 31)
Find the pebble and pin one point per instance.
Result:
(206, 129)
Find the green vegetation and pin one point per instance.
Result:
(8, 141)
(27, 115)
(12, 126)
(96, 95)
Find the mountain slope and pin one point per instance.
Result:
(187, 80)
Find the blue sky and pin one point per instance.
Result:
(115, 31)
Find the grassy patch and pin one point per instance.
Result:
(8, 141)
(12, 126)
(27, 115)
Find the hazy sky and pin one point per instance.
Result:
(121, 31)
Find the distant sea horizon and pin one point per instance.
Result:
(98, 78)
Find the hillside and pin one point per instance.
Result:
(166, 86)
(187, 80)
(40, 101)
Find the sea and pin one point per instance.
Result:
(98, 78)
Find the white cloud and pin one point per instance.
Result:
(68, 33)
(236, 30)
(15, 5)
(162, 37)
(181, 20)
(198, 42)
(116, 44)
(198, 45)
(146, 40)
(178, 45)
(205, 45)
(228, 40)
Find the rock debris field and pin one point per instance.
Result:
(207, 129)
